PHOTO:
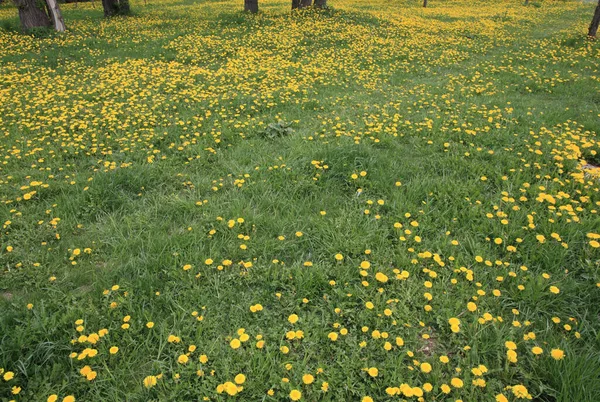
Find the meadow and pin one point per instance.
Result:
(371, 202)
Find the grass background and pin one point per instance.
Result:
(129, 123)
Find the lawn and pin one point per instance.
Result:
(366, 203)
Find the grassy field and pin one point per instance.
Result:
(372, 202)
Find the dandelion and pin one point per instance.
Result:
(295, 395)
(456, 382)
(150, 381)
(557, 354)
(308, 379)
(536, 350)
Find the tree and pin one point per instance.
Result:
(251, 6)
(320, 3)
(116, 7)
(595, 22)
(424, 3)
(57, 19)
(38, 14)
(301, 4)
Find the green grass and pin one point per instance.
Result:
(127, 124)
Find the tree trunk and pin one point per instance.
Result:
(305, 3)
(111, 7)
(424, 3)
(124, 8)
(321, 3)
(251, 6)
(32, 14)
(57, 19)
(295, 4)
(595, 22)
(116, 7)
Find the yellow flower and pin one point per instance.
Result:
(367, 399)
(333, 336)
(339, 257)
(295, 395)
(52, 398)
(554, 290)
(501, 398)
(293, 319)
(373, 371)
(240, 379)
(308, 379)
(557, 354)
(235, 343)
(426, 367)
(230, 388)
(536, 350)
(325, 386)
(150, 381)
(456, 382)
(510, 345)
(182, 359)
(9, 375)
(521, 392)
(69, 398)
(113, 350)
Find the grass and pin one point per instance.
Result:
(434, 172)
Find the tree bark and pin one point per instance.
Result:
(32, 14)
(57, 19)
(111, 7)
(116, 7)
(321, 3)
(295, 4)
(305, 3)
(124, 7)
(424, 3)
(595, 22)
(251, 6)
